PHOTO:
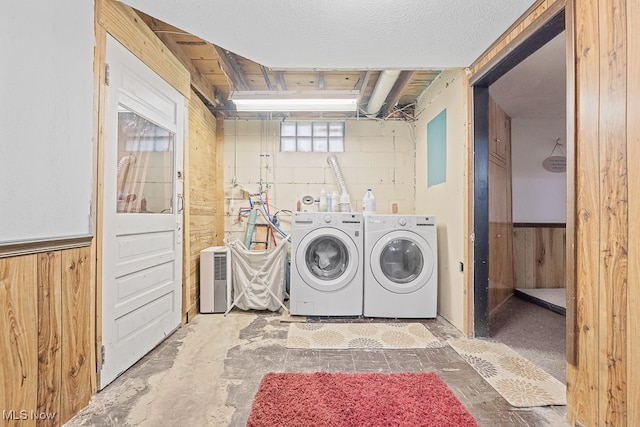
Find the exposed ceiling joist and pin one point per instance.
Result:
(216, 72)
(362, 84)
(232, 69)
(280, 83)
(198, 81)
(267, 81)
(392, 99)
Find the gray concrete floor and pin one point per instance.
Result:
(207, 372)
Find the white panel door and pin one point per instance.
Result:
(142, 212)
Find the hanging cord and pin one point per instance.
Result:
(271, 221)
(557, 145)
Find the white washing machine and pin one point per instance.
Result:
(326, 264)
(401, 266)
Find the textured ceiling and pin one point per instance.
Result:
(535, 88)
(344, 34)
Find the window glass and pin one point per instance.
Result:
(304, 129)
(288, 143)
(304, 144)
(320, 129)
(288, 129)
(336, 145)
(319, 137)
(145, 165)
(320, 144)
(336, 129)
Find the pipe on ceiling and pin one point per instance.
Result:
(383, 86)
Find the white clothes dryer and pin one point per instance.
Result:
(401, 266)
(326, 264)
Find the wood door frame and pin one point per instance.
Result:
(132, 82)
(121, 22)
(547, 26)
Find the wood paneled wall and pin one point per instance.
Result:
(45, 336)
(501, 278)
(201, 198)
(603, 384)
(123, 23)
(539, 256)
(603, 235)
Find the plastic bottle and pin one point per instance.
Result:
(368, 203)
(345, 203)
(335, 202)
(322, 201)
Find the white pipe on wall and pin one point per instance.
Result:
(385, 83)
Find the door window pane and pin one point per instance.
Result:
(145, 169)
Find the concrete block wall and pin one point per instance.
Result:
(379, 155)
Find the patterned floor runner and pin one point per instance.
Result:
(361, 335)
(519, 381)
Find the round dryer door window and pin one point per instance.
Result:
(327, 259)
(402, 261)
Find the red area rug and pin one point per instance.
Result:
(356, 400)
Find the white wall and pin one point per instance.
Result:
(447, 200)
(538, 195)
(46, 119)
(377, 154)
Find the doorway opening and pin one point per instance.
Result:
(490, 242)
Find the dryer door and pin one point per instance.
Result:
(327, 259)
(402, 261)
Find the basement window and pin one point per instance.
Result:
(307, 137)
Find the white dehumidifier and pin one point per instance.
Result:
(215, 279)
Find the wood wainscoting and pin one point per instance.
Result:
(539, 255)
(46, 340)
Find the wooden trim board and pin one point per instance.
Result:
(8, 250)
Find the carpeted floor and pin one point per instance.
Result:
(361, 335)
(519, 381)
(353, 400)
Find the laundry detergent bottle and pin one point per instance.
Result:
(322, 206)
(368, 203)
(335, 202)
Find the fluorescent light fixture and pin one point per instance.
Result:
(320, 100)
